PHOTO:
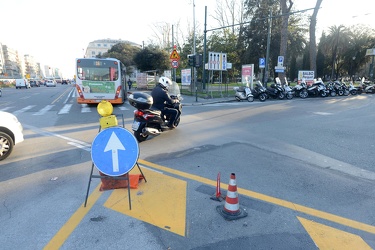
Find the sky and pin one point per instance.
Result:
(56, 32)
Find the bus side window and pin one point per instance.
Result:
(80, 75)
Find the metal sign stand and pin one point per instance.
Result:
(125, 177)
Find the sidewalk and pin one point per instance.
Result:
(189, 100)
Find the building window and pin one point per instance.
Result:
(105, 45)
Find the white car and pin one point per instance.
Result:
(11, 133)
(22, 83)
(50, 83)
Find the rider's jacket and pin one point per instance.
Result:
(160, 96)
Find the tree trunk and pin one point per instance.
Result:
(284, 32)
(313, 49)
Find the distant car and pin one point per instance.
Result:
(34, 83)
(11, 133)
(64, 81)
(50, 83)
(22, 83)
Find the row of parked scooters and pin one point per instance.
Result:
(318, 88)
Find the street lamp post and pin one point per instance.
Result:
(353, 69)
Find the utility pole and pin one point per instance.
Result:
(194, 51)
(265, 73)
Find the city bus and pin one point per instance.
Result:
(100, 79)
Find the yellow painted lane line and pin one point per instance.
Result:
(60, 96)
(64, 232)
(160, 202)
(270, 199)
(62, 235)
(326, 237)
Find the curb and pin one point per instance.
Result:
(206, 102)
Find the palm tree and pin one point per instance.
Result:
(335, 39)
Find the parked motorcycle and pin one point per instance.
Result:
(339, 88)
(363, 86)
(345, 88)
(300, 90)
(148, 121)
(318, 88)
(330, 86)
(369, 88)
(243, 93)
(287, 90)
(276, 91)
(1, 93)
(259, 91)
(352, 90)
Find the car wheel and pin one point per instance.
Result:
(6, 145)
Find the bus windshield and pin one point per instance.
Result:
(100, 79)
(97, 70)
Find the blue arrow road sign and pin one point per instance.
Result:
(262, 62)
(114, 151)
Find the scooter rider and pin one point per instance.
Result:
(161, 97)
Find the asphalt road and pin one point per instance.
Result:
(303, 171)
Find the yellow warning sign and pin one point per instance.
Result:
(174, 55)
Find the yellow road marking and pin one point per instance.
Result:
(161, 201)
(60, 237)
(326, 237)
(60, 96)
(58, 240)
(270, 199)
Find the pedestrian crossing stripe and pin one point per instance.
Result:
(65, 109)
(44, 110)
(49, 108)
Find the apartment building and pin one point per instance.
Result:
(101, 46)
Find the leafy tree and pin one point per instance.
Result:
(285, 10)
(124, 52)
(152, 58)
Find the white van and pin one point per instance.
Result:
(22, 83)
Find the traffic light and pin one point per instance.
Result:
(198, 60)
(191, 60)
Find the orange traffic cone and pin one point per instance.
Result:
(217, 196)
(231, 210)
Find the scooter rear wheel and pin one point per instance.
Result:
(139, 135)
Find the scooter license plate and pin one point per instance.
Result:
(135, 125)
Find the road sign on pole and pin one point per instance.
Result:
(262, 63)
(280, 61)
(174, 55)
(114, 151)
(174, 63)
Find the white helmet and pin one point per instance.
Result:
(165, 82)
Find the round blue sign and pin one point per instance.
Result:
(114, 151)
